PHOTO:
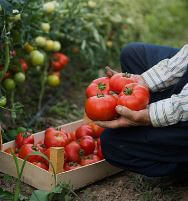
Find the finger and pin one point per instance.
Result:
(109, 124)
(109, 71)
(126, 112)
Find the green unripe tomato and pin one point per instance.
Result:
(45, 27)
(37, 58)
(9, 84)
(49, 7)
(19, 77)
(3, 101)
(53, 80)
(40, 41)
(49, 45)
(57, 46)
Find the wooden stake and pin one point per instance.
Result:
(57, 159)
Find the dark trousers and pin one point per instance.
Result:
(148, 150)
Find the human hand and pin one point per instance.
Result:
(128, 118)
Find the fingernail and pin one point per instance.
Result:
(119, 108)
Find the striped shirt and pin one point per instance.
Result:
(164, 74)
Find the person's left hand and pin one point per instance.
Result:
(127, 118)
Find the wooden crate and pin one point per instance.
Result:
(44, 180)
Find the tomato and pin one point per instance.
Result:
(83, 131)
(23, 64)
(73, 151)
(24, 138)
(98, 86)
(9, 84)
(89, 160)
(37, 58)
(71, 166)
(97, 129)
(109, 43)
(28, 47)
(98, 150)
(57, 46)
(27, 149)
(49, 46)
(92, 4)
(59, 61)
(87, 143)
(73, 135)
(53, 80)
(101, 107)
(45, 27)
(119, 80)
(40, 165)
(19, 77)
(40, 41)
(3, 101)
(55, 138)
(49, 7)
(134, 97)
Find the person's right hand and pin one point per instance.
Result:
(138, 78)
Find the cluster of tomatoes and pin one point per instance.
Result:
(81, 147)
(104, 94)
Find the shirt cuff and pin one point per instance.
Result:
(162, 113)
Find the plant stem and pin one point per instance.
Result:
(43, 81)
(7, 57)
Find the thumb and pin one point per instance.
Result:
(125, 112)
(109, 71)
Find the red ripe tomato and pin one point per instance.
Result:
(89, 160)
(101, 107)
(41, 147)
(24, 138)
(23, 65)
(55, 138)
(98, 86)
(119, 80)
(134, 97)
(59, 61)
(97, 129)
(27, 149)
(98, 149)
(71, 166)
(73, 135)
(87, 143)
(40, 164)
(73, 152)
(83, 131)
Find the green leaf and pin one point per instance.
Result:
(5, 195)
(39, 195)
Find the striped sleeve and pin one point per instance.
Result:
(170, 111)
(167, 72)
